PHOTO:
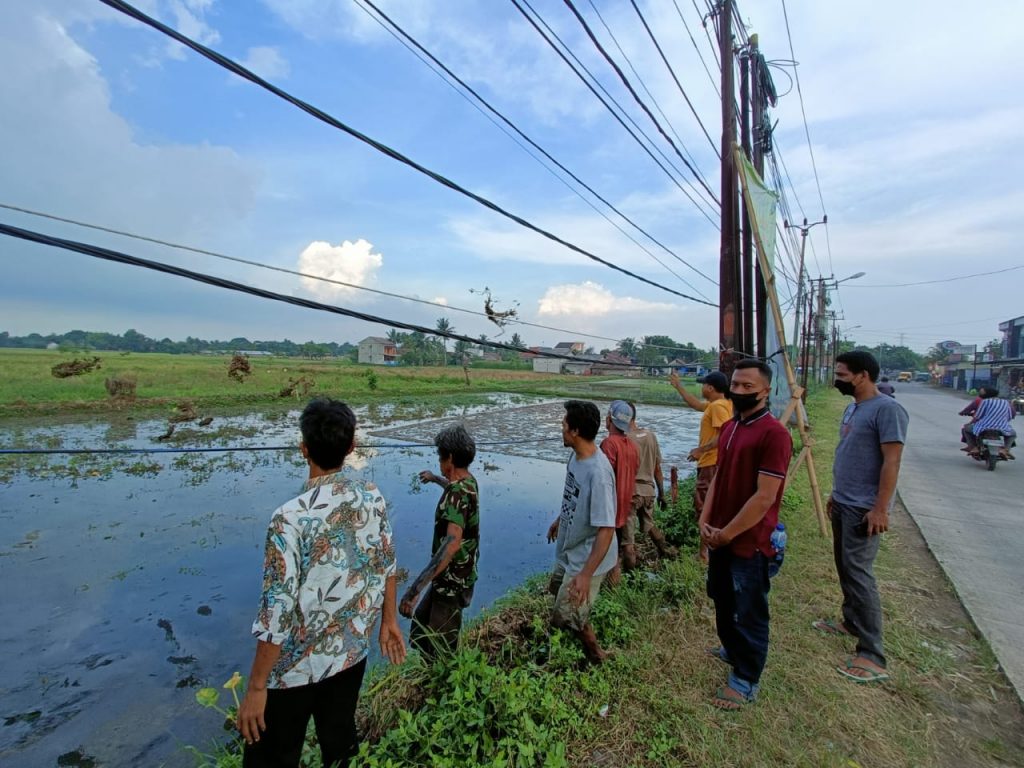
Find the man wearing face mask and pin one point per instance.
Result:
(867, 464)
(739, 515)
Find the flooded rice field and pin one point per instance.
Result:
(132, 580)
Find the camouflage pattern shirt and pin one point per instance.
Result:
(459, 504)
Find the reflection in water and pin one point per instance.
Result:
(133, 588)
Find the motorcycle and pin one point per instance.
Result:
(1017, 400)
(990, 449)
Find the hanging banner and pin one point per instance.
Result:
(761, 206)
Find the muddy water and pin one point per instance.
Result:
(131, 582)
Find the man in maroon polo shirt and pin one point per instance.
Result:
(739, 515)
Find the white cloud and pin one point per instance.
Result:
(591, 299)
(266, 61)
(440, 300)
(349, 262)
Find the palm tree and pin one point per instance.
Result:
(444, 326)
(517, 341)
(628, 347)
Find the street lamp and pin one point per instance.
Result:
(854, 276)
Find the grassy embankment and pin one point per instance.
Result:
(27, 388)
(516, 695)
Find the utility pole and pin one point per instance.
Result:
(820, 329)
(728, 268)
(800, 279)
(747, 335)
(806, 344)
(758, 99)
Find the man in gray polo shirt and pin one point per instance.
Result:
(867, 465)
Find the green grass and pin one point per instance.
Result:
(27, 386)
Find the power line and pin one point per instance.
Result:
(807, 133)
(704, 23)
(672, 72)
(319, 114)
(400, 33)
(118, 257)
(305, 275)
(636, 97)
(643, 84)
(942, 280)
(576, 71)
(682, 18)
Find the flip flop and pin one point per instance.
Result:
(873, 674)
(729, 699)
(830, 627)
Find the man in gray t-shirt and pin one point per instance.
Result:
(585, 530)
(867, 465)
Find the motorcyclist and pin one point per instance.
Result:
(992, 414)
(886, 388)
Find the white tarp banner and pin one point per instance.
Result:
(761, 205)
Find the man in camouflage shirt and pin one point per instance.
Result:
(451, 572)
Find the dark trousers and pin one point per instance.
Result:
(436, 624)
(332, 705)
(855, 554)
(739, 586)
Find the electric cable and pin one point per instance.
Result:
(636, 97)
(615, 114)
(686, 26)
(392, 27)
(118, 257)
(305, 275)
(238, 69)
(942, 280)
(671, 71)
(643, 84)
(807, 133)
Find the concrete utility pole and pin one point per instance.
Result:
(820, 329)
(758, 99)
(747, 335)
(800, 282)
(728, 267)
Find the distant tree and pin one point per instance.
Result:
(517, 341)
(443, 325)
(627, 347)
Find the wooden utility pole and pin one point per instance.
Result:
(758, 100)
(728, 268)
(747, 335)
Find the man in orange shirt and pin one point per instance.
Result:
(717, 410)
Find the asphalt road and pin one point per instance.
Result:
(972, 519)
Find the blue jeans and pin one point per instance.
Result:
(739, 588)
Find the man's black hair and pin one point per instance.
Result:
(455, 443)
(986, 392)
(583, 417)
(760, 365)
(859, 361)
(328, 428)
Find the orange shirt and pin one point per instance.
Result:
(624, 458)
(717, 414)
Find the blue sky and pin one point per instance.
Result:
(107, 122)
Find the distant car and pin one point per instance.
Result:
(905, 376)
(923, 377)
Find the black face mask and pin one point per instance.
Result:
(845, 387)
(742, 403)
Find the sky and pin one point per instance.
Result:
(109, 122)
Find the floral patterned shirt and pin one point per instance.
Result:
(328, 554)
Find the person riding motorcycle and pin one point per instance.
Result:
(992, 414)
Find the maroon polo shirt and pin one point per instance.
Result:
(748, 448)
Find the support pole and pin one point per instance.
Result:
(748, 336)
(728, 268)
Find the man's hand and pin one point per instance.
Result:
(391, 643)
(407, 605)
(876, 521)
(250, 714)
(695, 454)
(662, 504)
(579, 589)
(715, 538)
(553, 532)
(426, 476)
(673, 379)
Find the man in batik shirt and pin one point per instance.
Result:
(451, 572)
(329, 574)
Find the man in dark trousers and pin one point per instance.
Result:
(329, 575)
(451, 573)
(867, 465)
(739, 515)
